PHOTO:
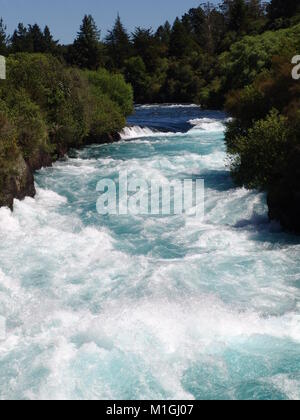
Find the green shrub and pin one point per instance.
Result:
(54, 107)
(9, 150)
(259, 158)
(46, 107)
(106, 117)
(112, 87)
(253, 54)
(31, 127)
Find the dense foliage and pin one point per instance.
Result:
(263, 138)
(199, 58)
(47, 107)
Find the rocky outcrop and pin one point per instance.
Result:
(284, 207)
(19, 183)
(107, 138)
(284, 197)
(40, 159)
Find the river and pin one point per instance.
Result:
(148, 307)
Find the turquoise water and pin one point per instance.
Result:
(143, 307)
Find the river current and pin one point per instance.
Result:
(147, 307)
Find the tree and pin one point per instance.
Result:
(36, 35)
(20, 41)
(282, 9)
(86, 52)
(194, 21)
(180, 42)
(48, 43)
(136, 75)
(162, 37)
(206, 24)
(33, 40)
(235, 12)
(118, 45)
(255, 9)
(163, 34)
(3, 38)
(146, 46)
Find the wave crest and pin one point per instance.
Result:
(136, 132)
(208, 124)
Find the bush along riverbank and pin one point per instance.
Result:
(263, 138)
(45, 109)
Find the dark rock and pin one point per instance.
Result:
(41, 159)
(107, 138)
(62, 150)
(18, 184)
(284, 197)
(284, 207)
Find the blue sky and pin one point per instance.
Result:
(64, 16)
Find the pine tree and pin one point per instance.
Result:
(48, 44)
(282, 9)
(27, 39)
(36, 36)
(118, 45)
(32, 39)
(181, 43)
(3, 38)
(235, 13)
(144, 45)
(86, 52)
(163, 33)
(206, 25)
(194, 22)
(256, 17)
(255, 9)
(20, 41)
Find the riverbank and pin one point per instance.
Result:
(46, 108)
(283, 205)
(20, 182)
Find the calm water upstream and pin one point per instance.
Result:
(143, 307)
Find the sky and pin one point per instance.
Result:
(64, 16)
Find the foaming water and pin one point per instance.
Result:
(148, 307)
(207, 124)
(136, 132)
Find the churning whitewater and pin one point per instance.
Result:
(142, 307)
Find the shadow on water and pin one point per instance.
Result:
(218, 180)
(172, 119)
(262, 230)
